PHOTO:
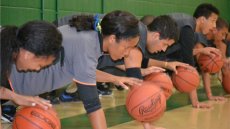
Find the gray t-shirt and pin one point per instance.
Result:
(82, 50)
(200, 38)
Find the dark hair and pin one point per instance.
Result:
(205, 10)
(39, 37)
(147, 19)
(221, 23)
(122, 24)
(82, 22)
(166, 26)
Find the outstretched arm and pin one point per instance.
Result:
(23, 100)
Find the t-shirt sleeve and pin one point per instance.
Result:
(187, 41)
(85, 58)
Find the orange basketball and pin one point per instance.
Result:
(226, 83)
(146, 102)
(210, 64)
(162, 80)
(36, 118)
(186, 79)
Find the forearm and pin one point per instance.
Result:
(196, 51)
(6, 94)
(193, 97)
(207, 84)
(153, 62)
(98, 120)
(104, 77)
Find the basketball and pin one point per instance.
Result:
(210, 64)
(162, 80)
(146, 103)
(186, 79)
(36, 118)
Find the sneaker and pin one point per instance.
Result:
(52, 97)
(104, 89)
(120, 88)
(8, 113)
(104, 92)
(69, 97)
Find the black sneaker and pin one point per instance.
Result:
(8, 113)
(52, 97)
(69, 97)
(104, 92)
(120, 88)
(104, 89)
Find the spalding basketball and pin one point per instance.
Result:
(36, 118)
(162, 80)
(146, 102)
(210, 64)
(186, 79)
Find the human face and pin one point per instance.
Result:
(155, 44)
(209, 23)
(27, 61)
(120, 49)
(221, 34)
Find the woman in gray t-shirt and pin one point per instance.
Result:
(31, 47)
(82, 48)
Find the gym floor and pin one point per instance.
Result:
(179, 113)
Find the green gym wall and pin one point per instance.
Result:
(17, 12)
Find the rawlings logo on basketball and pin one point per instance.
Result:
(144, 110)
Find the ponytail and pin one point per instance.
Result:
(9, 45)
(82, 22)
(86, 22)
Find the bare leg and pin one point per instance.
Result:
(97, 119)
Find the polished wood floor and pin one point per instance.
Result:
(179, 114)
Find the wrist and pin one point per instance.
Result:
(209, 95)
(165, 64)
(113, 79)
(196, 51)
(13, 96)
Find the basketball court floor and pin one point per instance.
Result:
(179, 113)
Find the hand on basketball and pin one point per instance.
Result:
(217, 98)
(211, 51)
(31, 101)
(172, 65)
(126, 82)
(152, 69)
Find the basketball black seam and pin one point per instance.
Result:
(29, 120)
(186, 81)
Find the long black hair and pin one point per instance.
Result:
(39, 37)
(122, 24)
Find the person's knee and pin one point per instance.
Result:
(89, 97)
(91, 104)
